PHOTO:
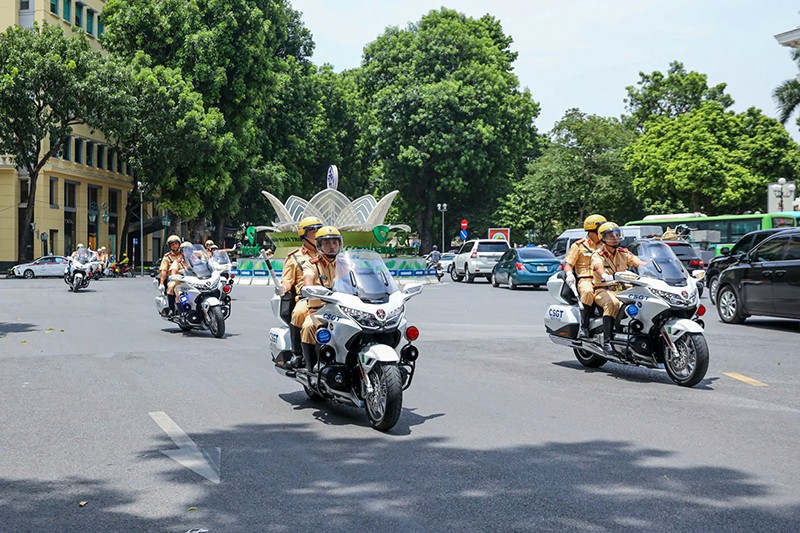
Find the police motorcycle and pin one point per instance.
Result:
(78, 272)
(360, 325)
(204, 301)
(659, 324)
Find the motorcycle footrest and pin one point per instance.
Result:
(291, 373)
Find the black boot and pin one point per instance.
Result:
(297, 353)
(608, 334)
(310, 355)
(586, 312)
(171, 303)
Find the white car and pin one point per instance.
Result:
(477, 258)
(48, 265)
(447, 261)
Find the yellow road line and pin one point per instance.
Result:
(750, 381)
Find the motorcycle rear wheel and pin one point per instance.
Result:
(216, 323)
(386, 401)
(588, 359)
(688, 366)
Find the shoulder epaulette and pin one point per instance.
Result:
(314, 260)
(623, 250)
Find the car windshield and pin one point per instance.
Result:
(498, 247)
(683, 250)
(662, 263)
(364, 274)
(197, 261)
(535, 253)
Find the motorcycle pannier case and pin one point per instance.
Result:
(562, 321)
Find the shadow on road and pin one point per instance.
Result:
(286, 477)
(634, 374)
(15, 327)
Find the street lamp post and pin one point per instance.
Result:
(442, 209)
(782, 190)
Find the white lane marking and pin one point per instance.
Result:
(205, 462)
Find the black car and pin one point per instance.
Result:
(721, 262)
(764, 281)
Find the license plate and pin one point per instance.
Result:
(541, 268)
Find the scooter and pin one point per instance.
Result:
(659, 324)
(436, 268)
(359, 327)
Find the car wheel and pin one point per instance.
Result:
(454, 275)
(493, 279)
(470, 277)
(28, 274)
(729, 307)
(536, 286)
(713, 285)
(513, 285)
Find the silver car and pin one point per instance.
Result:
(48, 265)
(477, 258)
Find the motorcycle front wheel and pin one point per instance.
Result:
(588, 359)
(688, 364)
(216, 322)
(385, 402)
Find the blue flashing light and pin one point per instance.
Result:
(632, 311)
(323, 336)
(184, 298)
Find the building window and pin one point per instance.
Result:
(90, 22)
(101, 155)
(69, 195)
(67, 150)
(90, 153)
(119, 163)
(54, 7)
(67, 4)
(79, 15)
(23, 191)
(24, 5)
(110, 160)
(53, 192)
(79, 151)
(100, 28)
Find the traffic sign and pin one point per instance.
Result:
(135, 240)
(464, 224)
(463, 234)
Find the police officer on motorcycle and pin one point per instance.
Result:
(173, 255)
(607, 260)
(578, 268)
(293, 308)
(320, 270)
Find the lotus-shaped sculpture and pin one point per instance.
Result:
(334, 209)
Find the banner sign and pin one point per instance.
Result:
(500, 233)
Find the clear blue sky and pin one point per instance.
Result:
(583, 53)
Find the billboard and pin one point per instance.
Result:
(500, 233)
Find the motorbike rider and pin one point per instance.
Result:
(173, 255)
(608, 259)
(578, 268)
(435, 256)
(293, 308)
(75, 253)
(319, 270)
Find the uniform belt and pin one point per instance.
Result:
(585, 277)
(315, 308)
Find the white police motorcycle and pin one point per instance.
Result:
(658, 327)
(78, 272)
(359, 326)
(204, 288)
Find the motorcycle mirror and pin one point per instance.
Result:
(412, 289)
(315, 291)
(698, 274)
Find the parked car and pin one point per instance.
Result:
(477, 258)
(48, 265)
(721, 262)
(447, 261)
(764, 281)
(525, 266)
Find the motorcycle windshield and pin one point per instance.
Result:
(197, 261)
(662, 264)
(221, 260)
(364, 274)
(83, 255)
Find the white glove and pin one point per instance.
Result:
(280, 290)
(161, 289)
(570, 279)
(608, 278)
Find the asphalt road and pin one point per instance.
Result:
(502, 430)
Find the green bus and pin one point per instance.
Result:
(713, 233)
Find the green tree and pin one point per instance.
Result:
(787, 94)
(447, 120)
(710, 160)
(49, 83)
(658, 95)
(581, 171)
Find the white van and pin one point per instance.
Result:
(629, 234)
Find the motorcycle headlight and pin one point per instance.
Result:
(678, 300)
(391, 315)
(362, 317)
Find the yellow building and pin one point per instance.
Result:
(81, 196)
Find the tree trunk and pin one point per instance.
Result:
(25, 251)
